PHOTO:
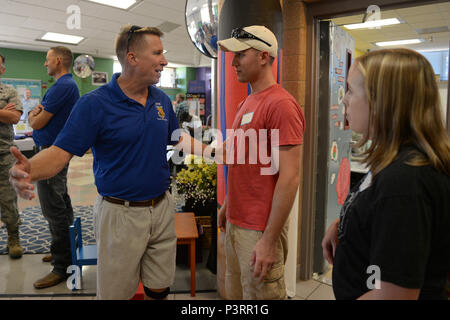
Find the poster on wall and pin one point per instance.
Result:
(336, 49)
(99, 78)
(29, 91)
(21, 85)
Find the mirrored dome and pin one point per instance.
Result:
(202, 21)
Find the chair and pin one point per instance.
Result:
(87, 255)
(81, 255)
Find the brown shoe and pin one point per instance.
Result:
(47, 258)
(50, 280)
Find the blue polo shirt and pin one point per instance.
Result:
(59, 101)
(128, 141)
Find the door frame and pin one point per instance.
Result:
(315, 11)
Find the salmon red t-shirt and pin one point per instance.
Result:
(264, 120)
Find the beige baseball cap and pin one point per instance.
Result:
(256, 37)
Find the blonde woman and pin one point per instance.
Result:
(392, 240)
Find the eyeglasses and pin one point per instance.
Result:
(240, 33)
(132, 30)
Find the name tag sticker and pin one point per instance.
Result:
(247, 118)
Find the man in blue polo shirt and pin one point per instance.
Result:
(47, 120)
(128, 123)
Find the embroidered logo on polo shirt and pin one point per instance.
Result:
(161, 113)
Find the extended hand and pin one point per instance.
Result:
(20, 175)
(263, 258)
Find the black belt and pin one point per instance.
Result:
(145, 203)
(40, 148)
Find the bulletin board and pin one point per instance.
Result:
(21, 85)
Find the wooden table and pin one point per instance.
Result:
(186, 229)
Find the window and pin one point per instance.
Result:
(439, 61)
(117, 67)
(167, 80)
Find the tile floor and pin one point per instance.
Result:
(17, 276)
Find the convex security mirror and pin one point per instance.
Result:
(83, 66)
(202, 21)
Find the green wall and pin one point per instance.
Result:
(101, 64)
(183, 75)
(24, 64)
(21, 64)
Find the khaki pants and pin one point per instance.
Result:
(134, 243)
(239, 281)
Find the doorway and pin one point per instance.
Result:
(421, 19)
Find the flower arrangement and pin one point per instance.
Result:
(198, 181)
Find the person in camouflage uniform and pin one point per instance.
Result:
(10, 112)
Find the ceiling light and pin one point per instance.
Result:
(121, 4)
(434, 49)
(398, 42)
(372, 24)
(63, 38)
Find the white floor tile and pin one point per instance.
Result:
(305, 288)
(323, 292)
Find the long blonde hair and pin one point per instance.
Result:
(404, 108)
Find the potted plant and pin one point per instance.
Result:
(198, 183)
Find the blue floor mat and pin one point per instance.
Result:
(35, 234)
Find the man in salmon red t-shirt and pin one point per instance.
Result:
(263, 159)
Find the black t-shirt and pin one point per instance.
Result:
(399, 222)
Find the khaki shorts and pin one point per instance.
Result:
(239, 281)
(134, 243)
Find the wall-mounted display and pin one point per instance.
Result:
(29, 91)
(99, 78)
(336, 55)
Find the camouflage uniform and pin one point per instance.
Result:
(8, 197)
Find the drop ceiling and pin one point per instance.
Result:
(23, 21)
(430, 23)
